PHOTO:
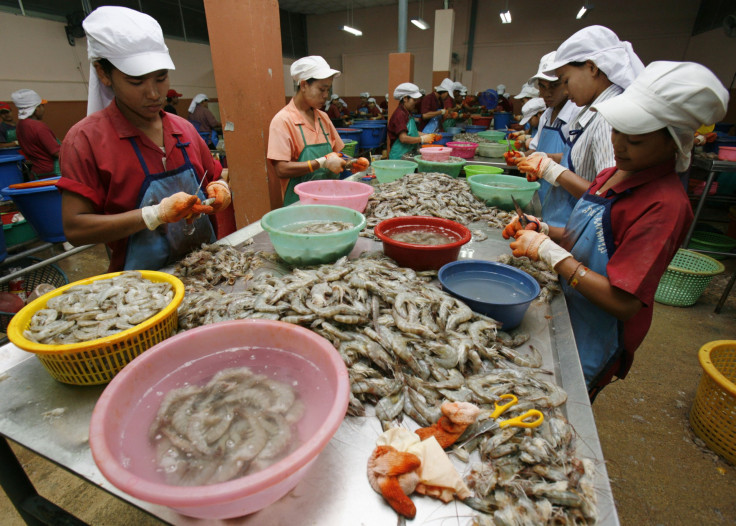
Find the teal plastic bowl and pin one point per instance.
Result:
(492, 135)
(388, 170)
(496, 189)
(311, 249)
(450, 168)
(475, 169)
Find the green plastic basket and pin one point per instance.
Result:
(349, 148)
(712, 241)
(686, 278)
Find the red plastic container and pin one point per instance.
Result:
(727, 153)
(479, 120)
(421, 257)
(464, 150)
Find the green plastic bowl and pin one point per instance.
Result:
(475, 169)
(311, 249)
(452, 168)
(496, 189)
(492, 135)
(388, 170)
(506, 142)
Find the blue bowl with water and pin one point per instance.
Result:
(500, 291)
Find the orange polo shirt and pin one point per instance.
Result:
(285, 141)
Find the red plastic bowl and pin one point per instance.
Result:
(421, 257)
(118, 434)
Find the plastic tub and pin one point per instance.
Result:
(497, 189)
(713, 241)
(18, 232)
(500, 291)
(10, 150)
(686, 278)
(491, 149)
(446, 137)
(10, 170)
(475, 169)
(712, 414)
(436, 153)
(508, 144)
(475, 128)
(451, 168)
(349, 134)
(373, 134)
(464, 150)
(349, 148)
(480, 120)
(388, 170)
(351, 194)
(311, 249)
(454, 130)
(118, 432)
(421, 257)
(41, 206)
(502, 119)
(492, 135)
(727, 153)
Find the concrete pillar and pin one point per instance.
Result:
(245, 41)
(444, 22)
(400, 69)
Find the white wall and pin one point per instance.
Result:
(38, 56)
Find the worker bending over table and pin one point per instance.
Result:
(402, 129)
(631, 220)
(134, 174)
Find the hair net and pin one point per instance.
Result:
(26, 100)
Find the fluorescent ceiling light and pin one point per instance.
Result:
(505, 17)
(356, 32)
(420, 23)
(582, 12)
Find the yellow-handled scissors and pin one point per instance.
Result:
(529, 419)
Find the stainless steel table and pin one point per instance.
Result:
(52, 419)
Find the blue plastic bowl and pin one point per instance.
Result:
(454, 130)
(446, 137)
(10, 170)
(350, 134)
(475, 128)
(373, 133)
(10, 150)
(41, 206)
(500, 291)
(502, 119)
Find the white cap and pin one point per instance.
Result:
(544, 65)
(371, 99)
(600, 45)
(342, 102)
(334, 96)
(26, 100)
(365, 94)
(531, 108)
(422, 91)
(132, 41)
(527, 91)
(386, 96)
(446, 85)
(679, 96)
(200, 97)
(312, 67)
(407, 89)
(501, 89)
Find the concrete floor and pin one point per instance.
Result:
(660, 473)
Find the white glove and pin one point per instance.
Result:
(552, 253)
(333, 162)
(539, 166)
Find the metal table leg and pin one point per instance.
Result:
(725, 294)
(699, 208)
(32, 507)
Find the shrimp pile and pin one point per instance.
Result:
(237, 424)
(98, 309)
(409, 347)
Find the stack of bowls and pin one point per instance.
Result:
(436, 153)
(350, 194)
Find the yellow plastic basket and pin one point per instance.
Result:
(98, 361)
(713, 415)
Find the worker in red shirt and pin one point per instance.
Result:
(38, 143)
(135, 176)
(438, 103)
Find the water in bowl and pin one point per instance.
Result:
(487, 287)
(422, 237)
(318, 227)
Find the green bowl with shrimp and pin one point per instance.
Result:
(304, 235)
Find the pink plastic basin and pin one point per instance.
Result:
(465, 150)
(436, 153)
(121, 418)
(350, 194)
(727, 153)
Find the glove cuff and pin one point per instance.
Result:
(552, 253)
(542, 227)
(150, 217)
(219, 182)
(552, 172)
(321, 161)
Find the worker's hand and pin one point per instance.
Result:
(518, 135)
(359, 164)
(538, 247)
(513, 157)
(533, 224)
(173, 209)
(452, 115)
(333, 161)
(429, 138)
(220, 192)
(700, 140)
(539, 166)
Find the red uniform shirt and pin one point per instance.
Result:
(38, 143)
(430, 102)
(333, 112)
(649, 223)
(374, 111)
(398, 123)
(100, 164)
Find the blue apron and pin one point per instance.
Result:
(557, 203)
(588, 236)
(153, 249)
